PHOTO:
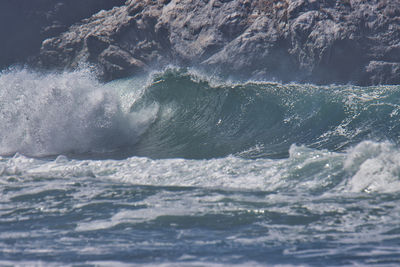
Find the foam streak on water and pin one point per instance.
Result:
(177, 170)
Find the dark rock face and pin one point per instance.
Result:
(325, 41)
(24, 24)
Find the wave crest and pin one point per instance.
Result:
(177, 113)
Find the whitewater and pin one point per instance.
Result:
(177, 168)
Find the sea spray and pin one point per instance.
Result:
(63, 113)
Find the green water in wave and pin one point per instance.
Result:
(199, 118)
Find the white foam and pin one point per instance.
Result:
(368, 167)
(63, 113)
(373, 167)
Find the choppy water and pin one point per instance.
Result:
(180, 169)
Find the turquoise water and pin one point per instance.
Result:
(180, 169)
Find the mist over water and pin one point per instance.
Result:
(178, 168)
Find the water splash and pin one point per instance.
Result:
(63, 113)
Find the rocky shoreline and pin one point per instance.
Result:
(323, 42)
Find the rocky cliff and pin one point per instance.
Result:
(325, 41)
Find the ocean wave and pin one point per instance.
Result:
(204, 118)
(178, 113)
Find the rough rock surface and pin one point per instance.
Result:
(24, 24)
(325, 41)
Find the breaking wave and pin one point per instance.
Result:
(180, 114)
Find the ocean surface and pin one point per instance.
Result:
(176, 168)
